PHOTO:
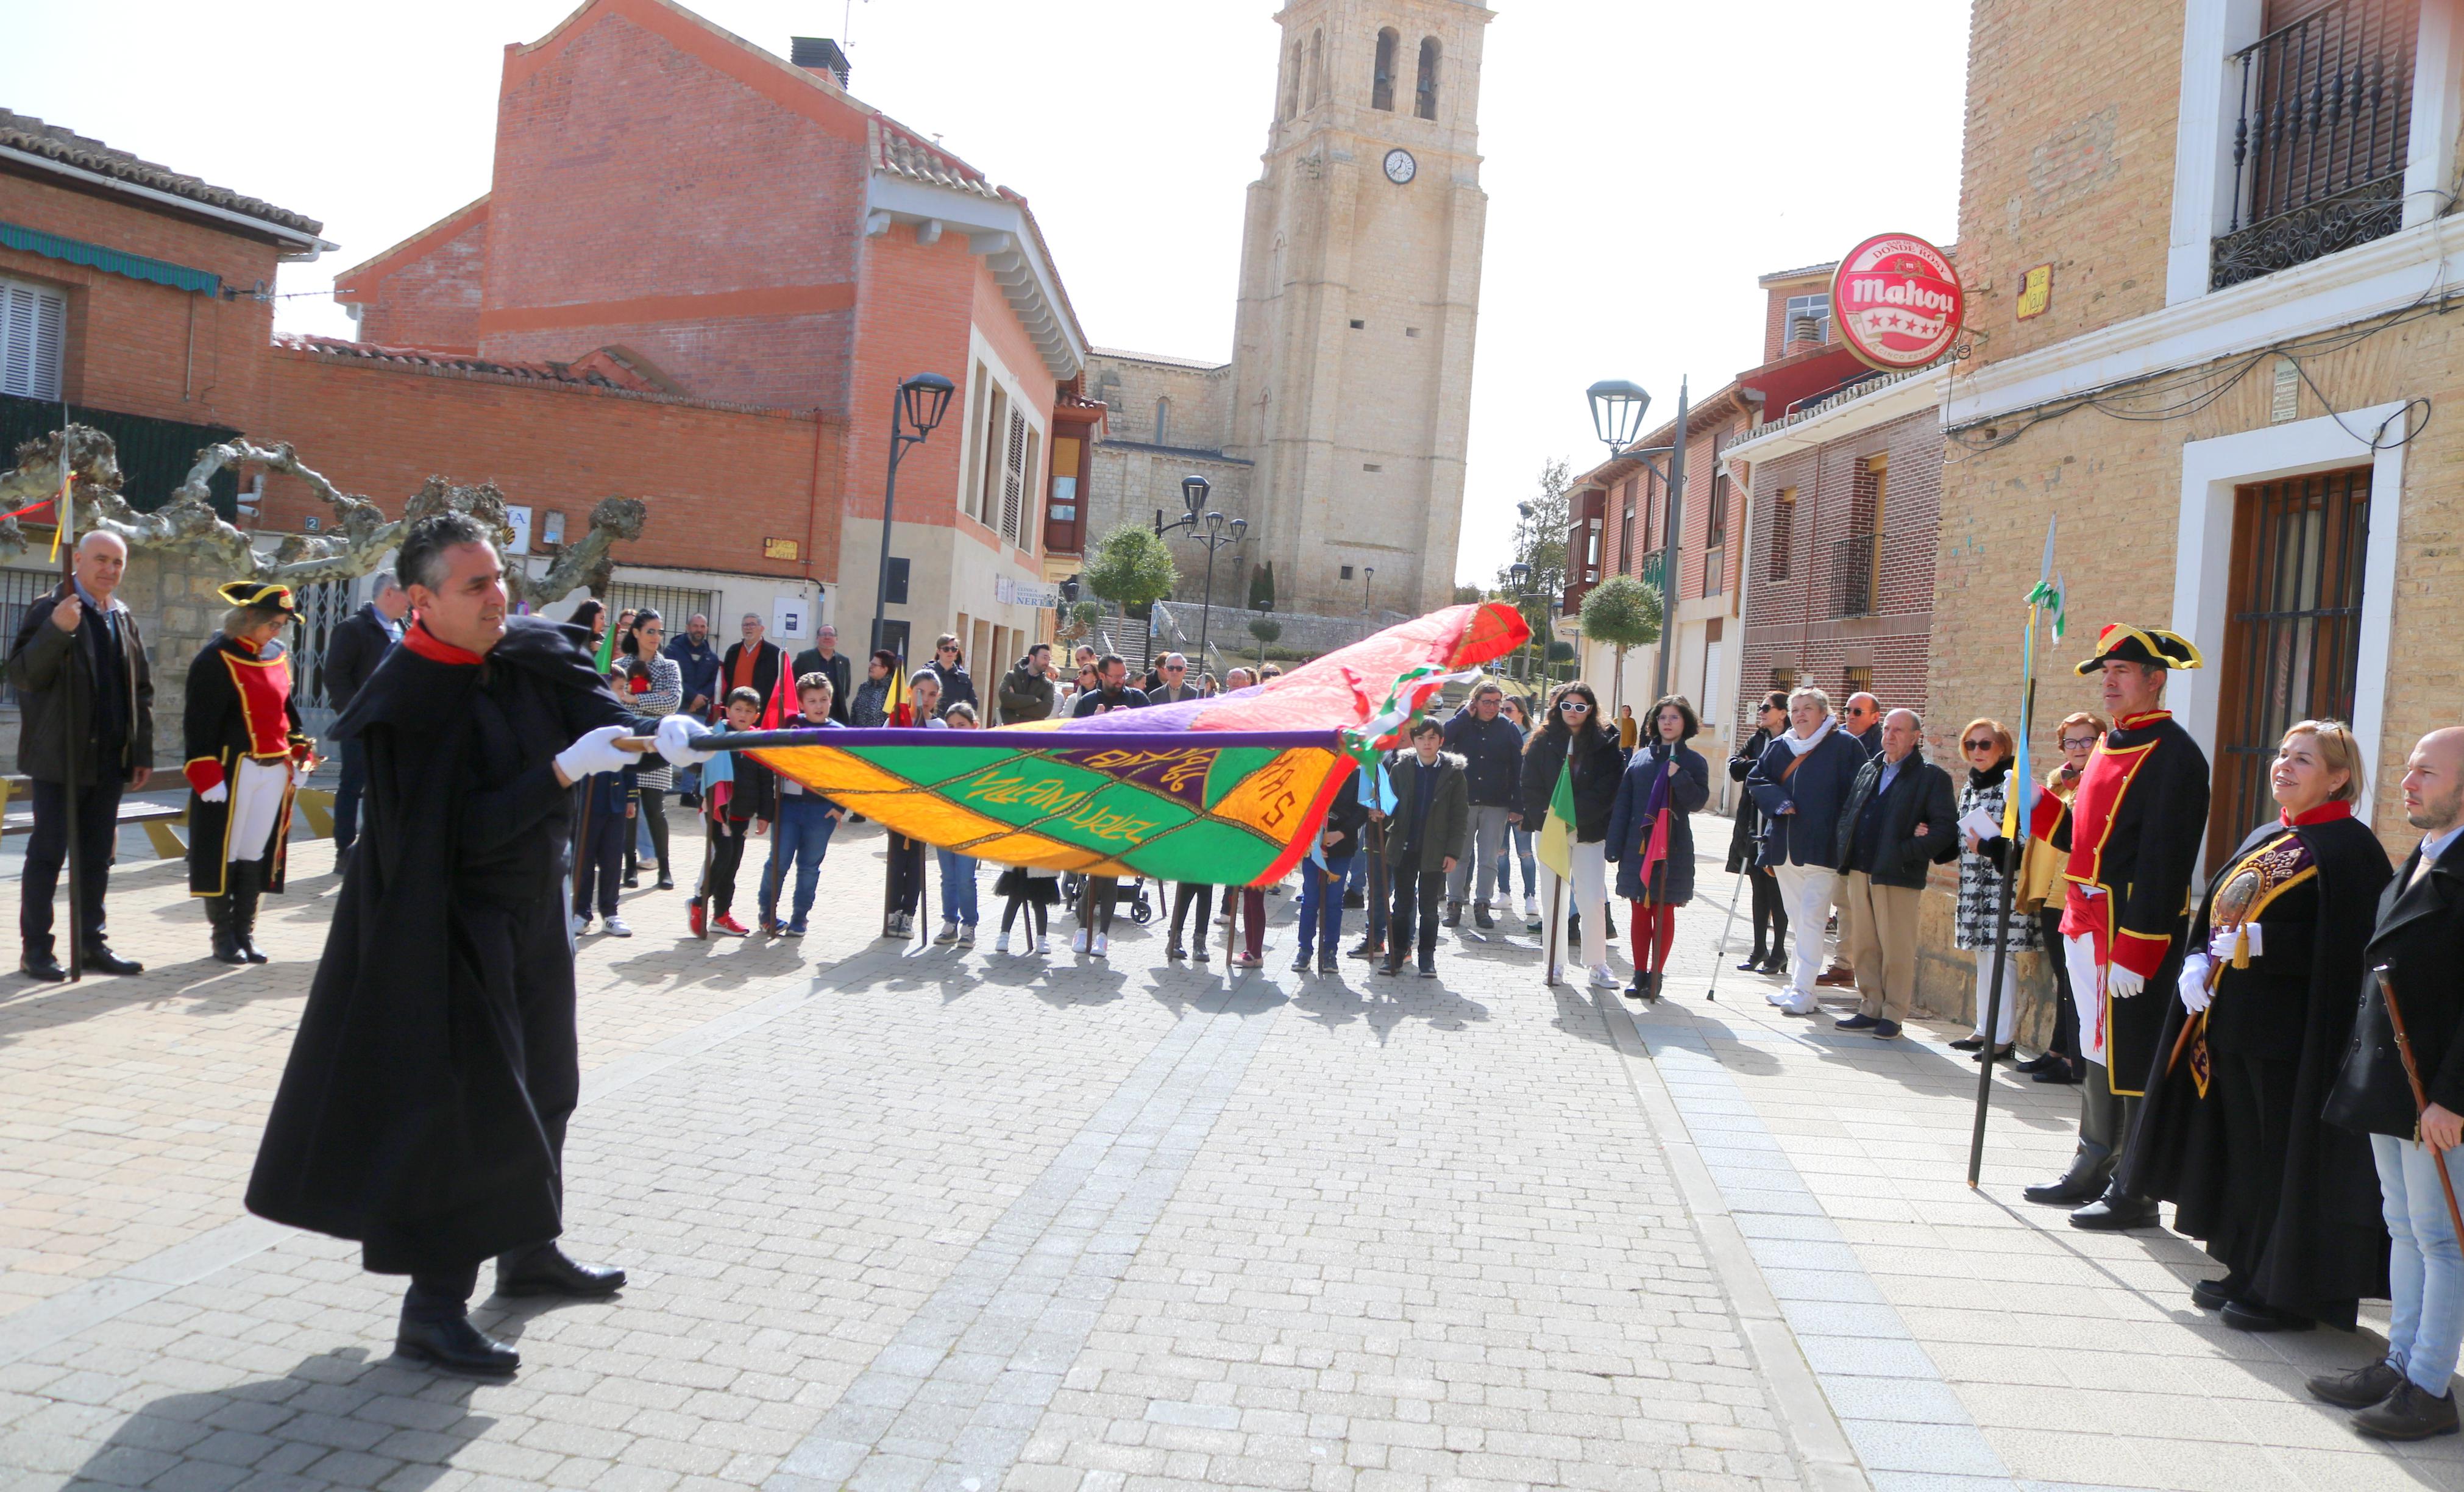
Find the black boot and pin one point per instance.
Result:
(247, 884)
(218, 917)
(453, 1345)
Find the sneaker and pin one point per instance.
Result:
(1000, 944)
(1531, 909)
(792, 930)
(1886, 1030)
(966, 935)
(1301, 964)
(1247, 960)
(1103, 947)
(1078, 944)
(1428, 971)
(1364, 949)
(1175, 952)
(618, 928)
(1044, 944)
(1454, 915)
(580, 924)
(949, 934)
(1808, 1006)
(1603, 978)
(1326, 964)
(1859, 1021)
(632, 881)
(1480, 917)
(697, 918)
(726, 923)
(1200, 953)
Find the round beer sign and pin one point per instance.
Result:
(1897, 301)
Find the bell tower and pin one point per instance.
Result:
(1358, 297)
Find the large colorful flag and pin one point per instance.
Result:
(1229, 790)
(1555, 846)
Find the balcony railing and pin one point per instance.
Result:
(1852, 576)
(2319, 148)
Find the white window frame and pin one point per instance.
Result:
(1798, 305)
(990, 407)
(2211, 469)
(36, 300)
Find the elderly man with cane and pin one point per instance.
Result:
(2403, 1086)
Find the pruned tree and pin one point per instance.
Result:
(188, 525)
(1625, 613)
(1265, 630)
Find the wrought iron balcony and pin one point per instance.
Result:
(2319, 148)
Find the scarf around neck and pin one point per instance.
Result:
(1799, 747)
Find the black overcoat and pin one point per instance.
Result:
(422, 1106)
(213, 726)
(1745, 829)
(1598, 766)
(1672, 885)
(2419, 937)
(2327, 1246)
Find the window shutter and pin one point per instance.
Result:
(1014, 477)
(32, 325)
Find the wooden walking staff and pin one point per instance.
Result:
(2015, 825)
(2420, 1096)
(64, 540)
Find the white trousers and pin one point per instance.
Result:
(1587, 898)
(2087, 994)
(255, 803)
(2006, 1021)
(1805, 892)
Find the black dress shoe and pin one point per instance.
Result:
(2211, 1295)
(1754, 964)
(103, 961)
(1480, 917)
(2063, 1072)
(456, 1347)
(2081, 1183)
(2039, 1063)
(2358, 1389)
(1980, 1055)
(2254, 1316)
(45, 968)
(2116, 1212)
(1967, 1044)
(2409, 1413)
(545, 1270)
(1859, 1021)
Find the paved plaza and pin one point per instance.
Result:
(969, 1221)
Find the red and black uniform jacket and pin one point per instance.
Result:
(240, 708)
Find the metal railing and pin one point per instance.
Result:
(2320, 145)
(1852, 576)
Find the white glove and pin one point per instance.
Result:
(2220, 942)
(676, 735)
(219, 793)
(595, 753)
(2194, 983)
(2122, 983)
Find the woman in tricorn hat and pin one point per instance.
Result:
(245, 751)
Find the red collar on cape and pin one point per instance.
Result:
(2327, 812)
(435, 650)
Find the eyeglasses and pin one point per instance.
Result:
(1175, 667)
(1981, 745)
(2079, 742)
(1574, 707)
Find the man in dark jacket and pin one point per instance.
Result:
(1492, 754)
(1800, 785)
(1431, 813)
(1862, 715)
(86, 694)
(753, 664)
(423, 1109)
(823, 658)
(2419, 942)
(1900, 819)
(1172, 683)
(1026, 692)
(351, 654)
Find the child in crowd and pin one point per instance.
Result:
(957, 871)
(806, 820)
(738, 800)
(606, 832)
(1034, 889)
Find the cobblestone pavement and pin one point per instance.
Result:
(972, 1221)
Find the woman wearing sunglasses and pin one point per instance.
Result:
(1575, 741)
(1985, 747)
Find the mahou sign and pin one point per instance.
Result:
(1897, 301)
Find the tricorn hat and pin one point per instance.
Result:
(259, 596)
(2151, 645)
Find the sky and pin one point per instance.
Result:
(1644, 160)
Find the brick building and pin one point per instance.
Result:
(1620, 511)
(2215, 349)
(697, 222)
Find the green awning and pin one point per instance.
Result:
(111, 261)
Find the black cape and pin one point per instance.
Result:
(2328, 1246)
(404, 1119)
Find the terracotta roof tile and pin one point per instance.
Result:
(27, 132)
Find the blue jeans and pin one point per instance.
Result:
(957, 886)
(1322, 906)
(2425, 1271)
(1519, 842)
(801, 838)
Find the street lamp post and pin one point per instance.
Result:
(1520, 574)
(920, 401)
(1368, 574)
(1211, 529)
(1616, 416)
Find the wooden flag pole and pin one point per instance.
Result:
(64, 535)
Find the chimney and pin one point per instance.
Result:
(819, 55)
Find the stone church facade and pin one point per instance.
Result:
(1338, 429)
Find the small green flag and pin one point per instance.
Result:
(608, 650)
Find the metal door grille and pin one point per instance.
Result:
(2293, 643)
(324, 607)
(673, 604)
(19, 589)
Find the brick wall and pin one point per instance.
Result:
(2069, 159)
(137, 346)
(717, 481)
(427, 291)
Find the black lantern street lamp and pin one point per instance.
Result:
(1618, 408)
(1368, 573)
(1209, 529)
(920, 403)
(1519, 575)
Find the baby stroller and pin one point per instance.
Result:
(1130, 895)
